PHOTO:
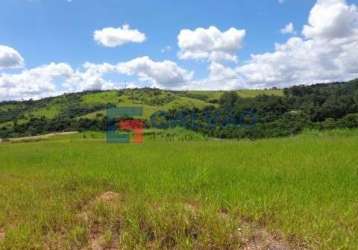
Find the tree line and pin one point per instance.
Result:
(320, 106)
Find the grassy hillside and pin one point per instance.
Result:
(244, 114)
(90, 104)
(77, 192)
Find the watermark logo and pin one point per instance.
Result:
(124, 125)
(198, 120)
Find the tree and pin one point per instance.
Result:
(228, 99)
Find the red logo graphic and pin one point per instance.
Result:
(136, 126)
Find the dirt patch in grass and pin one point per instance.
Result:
(103, 228)
(256, 236)
(165, 226)
(108, 198)
(251, 235)
(191, 207)
(100, 240)
(261, 239)
(2, 234)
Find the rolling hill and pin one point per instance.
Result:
(221, 114)
(92, 104)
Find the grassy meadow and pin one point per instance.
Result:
(78, 192)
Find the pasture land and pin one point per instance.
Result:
(78, 192)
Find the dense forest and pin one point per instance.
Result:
(320, 106)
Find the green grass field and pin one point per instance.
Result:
(77, 192)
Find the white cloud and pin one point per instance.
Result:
(10, 58)
(210, 44)
(330, 19)
(288, 29)
(33, 83)
(89, 77)
(57, 78)
(165, 74)
(114, 37)
(326, 52)
(222, 77)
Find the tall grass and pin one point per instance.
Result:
(305, 187)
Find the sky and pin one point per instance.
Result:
(50, 47)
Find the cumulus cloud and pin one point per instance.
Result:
(57, 78)
(114, 37)
(33, 83)
(330, 19)
(326, 51)
(10, 58)
(288, 29)
(89, 77)
(210, 44)
(165, 74)
(221, 77)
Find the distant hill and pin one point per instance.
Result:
(222, 114)
(92, 104)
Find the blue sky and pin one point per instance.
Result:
(42, 32)
(58, 30)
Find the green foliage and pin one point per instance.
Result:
(84, 111)
(322, 106)
(232, 114)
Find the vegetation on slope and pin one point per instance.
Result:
(87, 110)
(269, 113)
(322, 106)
